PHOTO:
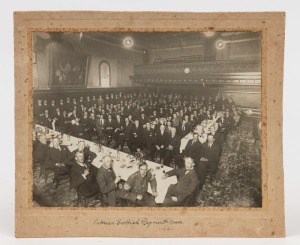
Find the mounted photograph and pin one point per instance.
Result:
(144, 124)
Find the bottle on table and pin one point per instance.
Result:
(118, 155)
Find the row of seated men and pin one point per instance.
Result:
(88, 179)
(204, 150)
(151, 105)
(127, 120)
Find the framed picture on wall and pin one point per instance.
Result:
(67, 69)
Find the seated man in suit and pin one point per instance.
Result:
(39, 151)
(108, 182)
(136, 137)
(89, 156)
(202, 135)
(173, 148)
(100, 126)
(186, 185)
(110, 126)
(77, 129)
(218, 138)
(38, 111)
(45, 120)
(149, 140)
(135, 188)
(223, 125)
(209, 158)
(55, 160)
(161, 142)
(184, 129)
(193, 150)
(119, 133)
(83, 177)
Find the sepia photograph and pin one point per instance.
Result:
(149, 124)
(146, 119)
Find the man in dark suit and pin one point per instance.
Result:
(168, 127)
(39, 151)
(45, 120)
(89, 156)
(149, 140)
(218, 138)
(68, 106)
(110, 127)
(57, 117)
(161, 141)
(186, 185)
(100, 126)
(76, 129)
(209, 158)
(125, 134)
(184, 129)
(108, 182)
(119, 128)
(62, 106)
(193, 150)
(52, 108)
(173, 147)
(224, 125)
(100, 101)
(136, 137)
(82, 176)
(38, 111)
(55, 160)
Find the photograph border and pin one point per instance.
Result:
(267, 221)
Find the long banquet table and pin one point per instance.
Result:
(124, 166)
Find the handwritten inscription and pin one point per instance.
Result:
(166, 224)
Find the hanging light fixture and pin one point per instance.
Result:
(220, 44)
(127, 42)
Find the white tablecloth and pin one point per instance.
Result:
(124, 166)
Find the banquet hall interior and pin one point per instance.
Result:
(160, 98)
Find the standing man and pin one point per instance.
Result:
(135, 188)
(108, 182)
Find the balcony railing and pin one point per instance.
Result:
(199, 68)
